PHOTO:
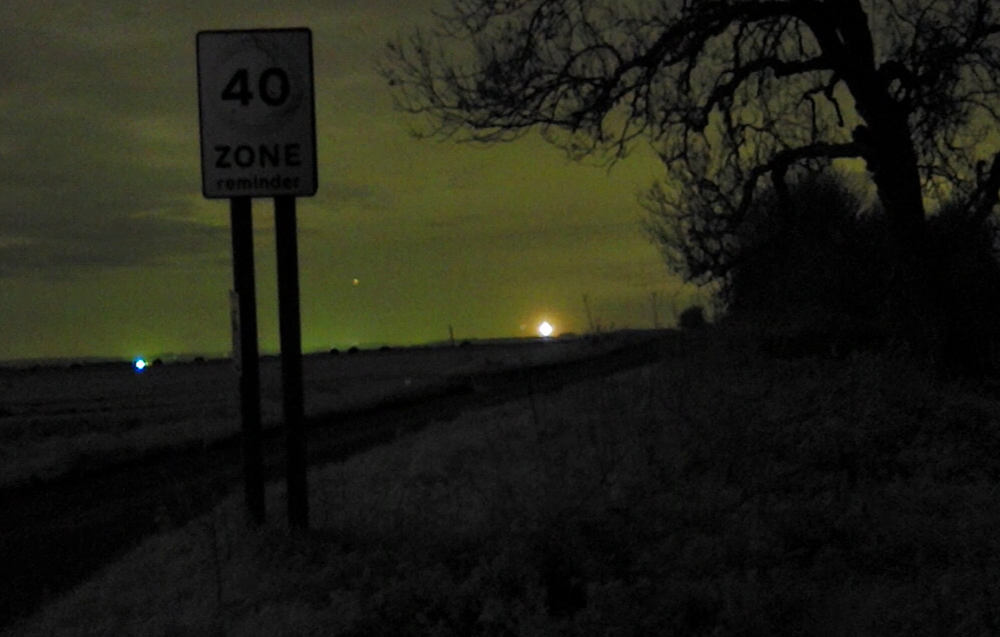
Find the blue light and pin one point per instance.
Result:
(140, 365)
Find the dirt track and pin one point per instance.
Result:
(55, 535)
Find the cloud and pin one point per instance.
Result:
(99, 141)
(98, 122)
(80, 184)
(115, 242)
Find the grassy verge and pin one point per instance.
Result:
(60, 421)
(718, 493)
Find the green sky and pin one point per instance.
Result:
(107, 247)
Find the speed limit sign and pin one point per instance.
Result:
(256, 106)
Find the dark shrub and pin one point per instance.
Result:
(812, 272)
(692, 318)
(823, 254)
(964, 283)
(817, 273)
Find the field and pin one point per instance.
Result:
(717, 492)
(60, 419)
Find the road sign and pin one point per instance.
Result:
(256, 105)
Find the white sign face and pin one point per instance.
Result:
(255, 99)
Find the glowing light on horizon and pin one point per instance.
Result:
(545, 329)
(139, 364)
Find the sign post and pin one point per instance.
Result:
(291, 360)
(258, 139)
(246, 357)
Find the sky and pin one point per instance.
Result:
(108, 248)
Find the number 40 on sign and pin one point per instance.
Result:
(238, 87)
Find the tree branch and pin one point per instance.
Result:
(741, 74)
(783, 160)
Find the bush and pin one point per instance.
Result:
(692, 318)
(811, 275)
(964, 285)
(818, 275)
(824, 254)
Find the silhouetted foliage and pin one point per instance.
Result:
(965, 284)
(692, 318)
(815, 267)
(818, 251)
(809, 264)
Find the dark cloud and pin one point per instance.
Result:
(111, 243)
(79, 181)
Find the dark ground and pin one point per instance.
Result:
(55, 535)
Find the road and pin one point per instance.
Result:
(55, 535)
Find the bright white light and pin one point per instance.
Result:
(139, 364)
(545, 329)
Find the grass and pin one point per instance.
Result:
(717, 493)
(55, 421)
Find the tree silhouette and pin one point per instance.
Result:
(823, 256)
(735, 96)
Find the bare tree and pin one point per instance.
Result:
(733, 95)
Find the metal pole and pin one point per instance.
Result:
(291, 360)
(246, 356)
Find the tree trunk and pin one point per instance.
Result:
(892, 161)
(895, 173)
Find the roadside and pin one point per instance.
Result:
(55, 535)
(64, 422)
(718, 491)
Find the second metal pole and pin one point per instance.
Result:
(291, 359)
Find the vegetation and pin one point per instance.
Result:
(692, 318)
(55, 422)
(812, 268)
(821, 251)
(742, 100)
(721, 492)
